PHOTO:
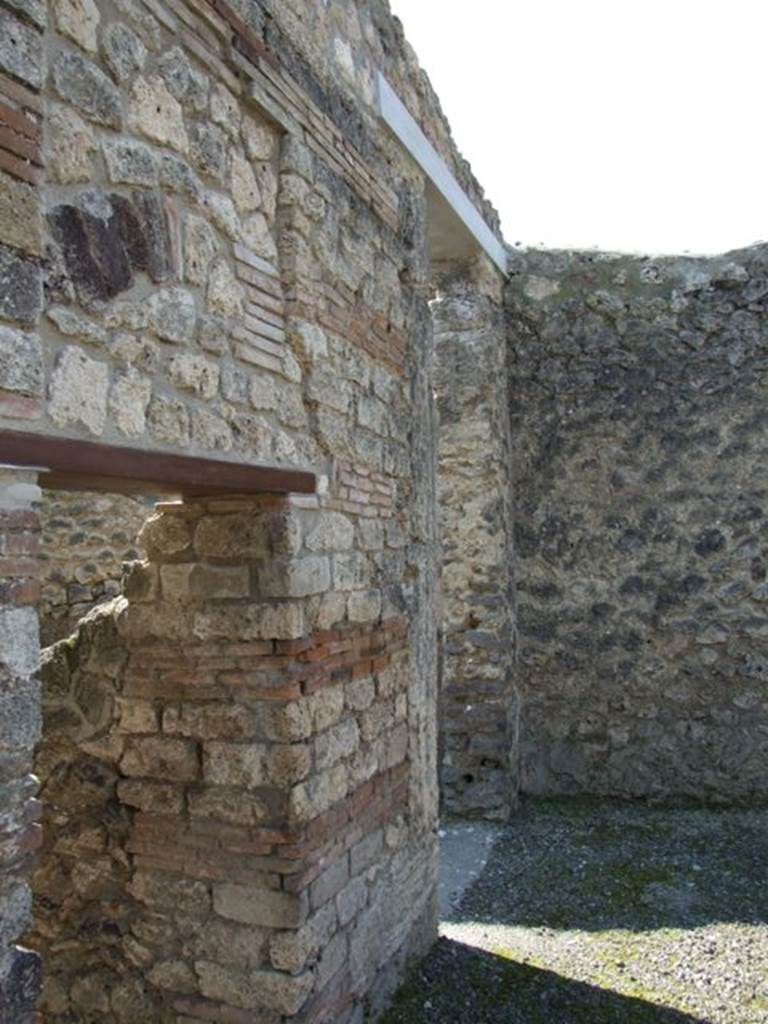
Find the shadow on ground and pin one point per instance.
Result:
(489, 989)
(595, 912)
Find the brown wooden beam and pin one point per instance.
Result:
(90, 466)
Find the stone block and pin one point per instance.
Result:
(201, 244)
(21, 50)
(185, 83)
(85, 85)
(228, 805)
(331, 532)
(225, 294)
(173, 315)
(283, 993)
(155, 112)
(287, 723)
(364, 606)
(151, 797)
(129, 162)
(220, 720)
(124, 52)
(283, 621)
(243, 185)
(297, 577)
(329, 883)
(128, 402)
(351, 571)
(20, 716)
(337, 743)
(232, 764)
(351, 900)
(166, 537)
(177, 894)
(289, 764)
(21, 362)
(194, 373)
(20, 221)
(21, 296)
(78, 20)
(160, 757)
(235, 537)
(208, 149)
(192, 582)
(266, 908)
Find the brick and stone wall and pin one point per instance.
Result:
(479, 704)
(637, 391)
(224, 776)
(210, 244)
(84, 540)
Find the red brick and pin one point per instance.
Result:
(18, 407)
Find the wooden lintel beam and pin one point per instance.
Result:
(89, 465)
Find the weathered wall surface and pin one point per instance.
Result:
(225, 782)
(637, 399)
(210, 245)
(478, 698)
(85, 539)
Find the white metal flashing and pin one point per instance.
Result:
(394, 114)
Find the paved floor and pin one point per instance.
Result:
(599, 913)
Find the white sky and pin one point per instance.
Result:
(637, 125)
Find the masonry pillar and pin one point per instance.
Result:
(479, 700)
(19, 731)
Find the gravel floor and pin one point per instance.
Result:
(591, 912)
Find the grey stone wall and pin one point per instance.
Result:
(637, 397)
(479, 704)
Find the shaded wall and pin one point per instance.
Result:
(478, 697)
(640, 452)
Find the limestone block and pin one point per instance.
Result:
(140, 351)
(69, 145)
(336, 744)
(359, 694)
(296, 577)
(214, 336)
(128, 401)
(21, 296)
(130, 162)
(351, 900)
(194, 373)
(263, 907)
(243, 185)
(173, 315)
(209, 721)
(237, 537)
(229, 943)
(288, 764)
(258, 236)
(78, 20)
(21, 362)
(73, 324)
(225, 110)
(168, 420)
(331, 610)
(20, 222)
(287, 723)
(19, 640)
(210, 431)
(88, 88)
(174, 975)
(364, 606)
(152, 797)
(234, 764)
(201, 244)
(160, 757)
(177, 176)
(166, 537)
(351, 571)
(326, 707)
(208, 149)
(283, 621)
(123, 51)
(225, 293)
(332, 532)
(191, 582)
(154, 112)
(223, 214)
(21, 49)
(78, 390)
(259, 139)
(228, 805)
(180, 894)
(188, 85)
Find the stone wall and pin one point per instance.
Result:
(637, 392)
(224, 774)
(479, 705)
(85, 539)
(222, 251)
